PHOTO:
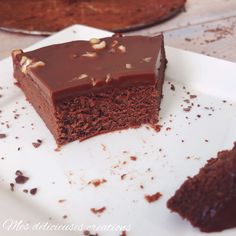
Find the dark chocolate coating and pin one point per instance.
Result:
(65, 62)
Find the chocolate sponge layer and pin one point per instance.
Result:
(208, 200)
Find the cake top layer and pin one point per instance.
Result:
(208, 199)
(67, 69)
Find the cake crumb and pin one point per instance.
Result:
(153, 198)
(192, 96)
(123, 176)
(18, 172)
(37, 144)
(57, 149)
(172, 87)
(87, 233)
(104, 148)
(123, 233)
(188, 39)
(33, 191)
(98, 211)
(157, 128)
(128, 66)
(187, 109)
(3, 136)
(61, 200)
(20, 179)
(133, 158)
(97, 182)
(12, 187)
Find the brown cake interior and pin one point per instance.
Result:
(208, 200)
(36, 97)
(116, 109)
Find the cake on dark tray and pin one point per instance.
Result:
(84, 88)
(208, 200)
(54, 15)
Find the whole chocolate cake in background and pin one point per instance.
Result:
(85, 88)
(115, 15)
(208, 200)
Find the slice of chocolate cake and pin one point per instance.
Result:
(85, 88)
(208, 200)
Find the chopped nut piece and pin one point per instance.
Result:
(147, 59)
(25, 62)
(114, 43)
(36, 64)
(94, 41)
(16, 52)
(122, 48)
(89, 54)
(74, 55)
(100, 45)
(108, 78)
(93, 81)
(112, 50)
(128, 66)
(82, 76)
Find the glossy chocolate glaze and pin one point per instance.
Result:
(123, 62)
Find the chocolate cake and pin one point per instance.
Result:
(85, 88)
(53, 15)
(208, 200)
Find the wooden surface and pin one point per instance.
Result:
(207, 27)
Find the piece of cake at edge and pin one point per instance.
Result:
(208, 200)
(85, 88)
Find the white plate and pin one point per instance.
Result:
(212, 80)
